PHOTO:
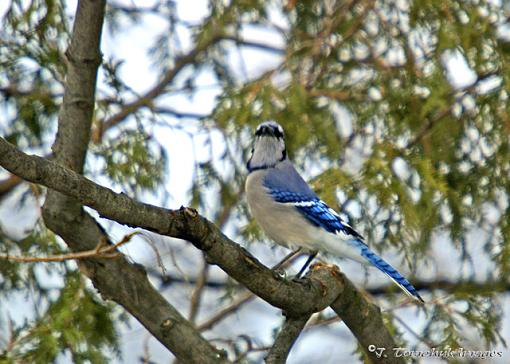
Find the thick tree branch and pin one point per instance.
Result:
(116, 279)
(365, 321)
(296, 299)
(287, 336)
(185, 224)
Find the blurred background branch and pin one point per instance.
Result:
(396, 112)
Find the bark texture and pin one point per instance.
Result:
(126, 283)
(325, 286)
(65, 216)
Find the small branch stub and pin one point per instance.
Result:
(189, 212)
(166, 326)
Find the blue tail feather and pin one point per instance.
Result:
(387, 269)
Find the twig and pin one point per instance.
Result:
(447, 110)
(147, 99)
(423, 339)
(289, 258)
(245, 297)
(253, 44)
(178, 114)
(196, 296)
(201, 282)
(220, 315)
(449, 286)
(101, 251)
(331, 94)
(319, 321)
(149, 239)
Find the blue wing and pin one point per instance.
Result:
(316, 211)
(320, 214)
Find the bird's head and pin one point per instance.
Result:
(268, 146)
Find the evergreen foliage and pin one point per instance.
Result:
(367, 95)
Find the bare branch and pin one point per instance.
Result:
(115, 279)
(287, 336)
(101, 251)
(196, 296)
(147, 99)
(220, 315)
(364, 319)
(469, 286)
(253, 44)
(325, 284)
(177, 114)
(245, 297)
(9, 184)
(14, 91)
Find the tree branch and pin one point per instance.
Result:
(287, 336)
(244, 297)
(451, 287)
(233, 307)
(196, 296)
(101, 251)
(184, 223)
(325, 284)
(9, 184)
(66, 217)
(468, 286)
(365, 321)
(147, 99)
(253, 44)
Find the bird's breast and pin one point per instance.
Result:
(281, 222)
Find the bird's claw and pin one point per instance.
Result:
(299, 279)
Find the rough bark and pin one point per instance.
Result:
(286, 338)
(66, 217)
(127, 284)
(326, 286)
(365, 321)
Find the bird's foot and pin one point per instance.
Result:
(298, 278)
(304, 281)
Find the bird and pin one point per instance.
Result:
(292, 215)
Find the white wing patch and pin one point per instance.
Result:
(333, 212)
(304, 203)
(343, 235)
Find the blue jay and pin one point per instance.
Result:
(292, 215)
